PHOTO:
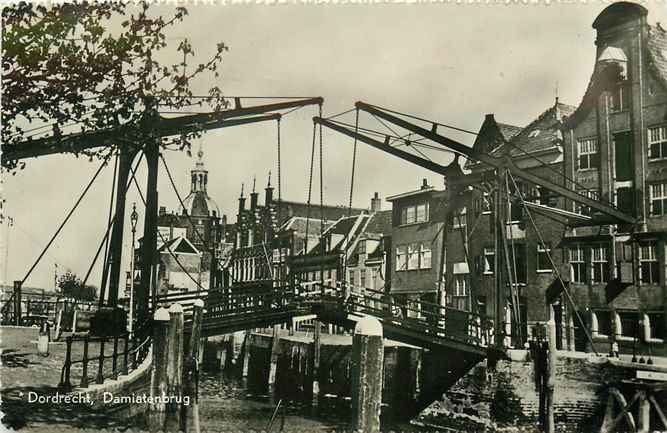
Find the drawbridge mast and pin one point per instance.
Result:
(131, 139)
(503, 167)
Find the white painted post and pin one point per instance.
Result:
(367, 365)
(174, 368)
(158, 376)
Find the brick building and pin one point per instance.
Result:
(538, 149)
(417, 222)
(615, 148)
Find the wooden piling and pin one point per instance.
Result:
(367, 363)
(275, 340)
(246, 353)
(317, 346)
(644, 421)
(156, 415)
(190, 412)
(174, 369)
(551, 376)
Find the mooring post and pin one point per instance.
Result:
(317, 345)
(644, 413)
(367, 363)
(174, 369)
(246, 353)
(190, 412)
(275, 340)
(159, 376)
(551, 374)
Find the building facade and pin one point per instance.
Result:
(616, 150)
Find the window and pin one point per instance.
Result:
(600, 264)
(413, 256)
(401, 258)
(414, 214)
(620, 98)
(425, 256)
(489, 260)
(351, 277)
(593, 194)
(543, 261)
(657, 325)
(460, 220)
(648, 264)
(519, 257)
(658, 197)
(422, 212)
(486, 203)
(459, 297)
(361, 249)
(587, 151)
(657, 142)
(577, 264)
(362, 278)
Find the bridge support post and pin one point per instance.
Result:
(174, 369)
(190, 413)
(644, 421)
(275, 340)
(317, 346)
(367, 363)
(159, 376)
(17, 302)
(551, 373)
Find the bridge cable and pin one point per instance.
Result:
(310, 187)
(322, 243)
(55, 235)
(555, 268)
(349, 209)
(110, 224)
(514, 287)
(105, 269)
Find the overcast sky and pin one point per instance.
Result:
(447, 62)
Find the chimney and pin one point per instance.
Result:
(425, 184)
(163, 211)
(376, 203)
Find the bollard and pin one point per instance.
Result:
(644, 413)
(156, 415)
(190, 413)
(551, 376)
(367, 363)
(174, 368)
(275, 344)
(43, 339)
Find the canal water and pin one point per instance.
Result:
(226, 405)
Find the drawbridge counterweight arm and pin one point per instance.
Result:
(460, 148)
(164, 127)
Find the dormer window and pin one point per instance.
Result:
(534, 133)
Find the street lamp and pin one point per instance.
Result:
(134, 217)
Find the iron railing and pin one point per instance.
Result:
(134, 351)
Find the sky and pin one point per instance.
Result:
(452, 63)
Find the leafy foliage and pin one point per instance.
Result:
(71, 286)
(68, 68)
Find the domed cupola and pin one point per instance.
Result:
(198, 202)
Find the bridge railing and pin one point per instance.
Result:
(126, 353)
(427, 317)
